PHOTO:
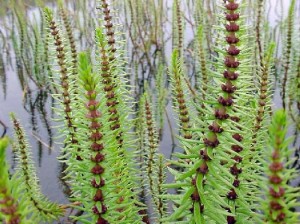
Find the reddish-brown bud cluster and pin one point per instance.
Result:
(71, 40)
(96, 156)
(225, 102)
(233, 50)
(183, 111)
(232, 27)
(232, 195)
(276, 166)
(151, 131)
(61, 60)
(236, 183)
(9, 207)
(232, 39)
(203, 168)
(97, 169)
(230, 62)
(102, 221)
(211, 143)
(237, 137)
(235, 118)
(274, 205)
(231, 220)
(232, 6)
(232, 17)
(195, 196)
(230, 75)
(235, 171)
(277, 191)
(109, 29)
(204, 155)
(109, 88)
(214, 127)
(221, 114)
(277, 194)
(275, 179)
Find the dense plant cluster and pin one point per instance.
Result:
(235, 161)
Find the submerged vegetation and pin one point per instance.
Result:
(108, 73)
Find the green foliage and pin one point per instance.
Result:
(279, 198)
(11, 210)
(40, 208)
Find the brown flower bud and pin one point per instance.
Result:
(235, 119)
(228, 87)
(108, 25)
(195, 196)
(230, 62)
(233, 50)
(97, 147)
(236, 183)
(232, 39)
(232, 27)
(232, 6)
(98, 196)
(237, 148)
(238, 159)
(97, 169)
(221, 114)
(234, 170)
(225, 102)
(230, 75)
(280, 217)
(231, 220)
(101, 220)
(96, 136)
(232, 194)
(237, 137)
(98, 158)
(276, 166)
(95, 125)
(275, 179)
(232, 16)
(203, 168)
(204, 155)
(214, 127)
(275, 206)
(211, 143)
(276, 194)
(107, 17)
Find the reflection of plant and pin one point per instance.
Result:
(219, 175)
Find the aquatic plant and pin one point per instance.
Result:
(279, 198)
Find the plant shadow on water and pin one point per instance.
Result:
(179, 92)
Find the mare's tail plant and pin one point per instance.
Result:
(89, 183)
(41, 209)
(153, 167)
(279, 199)
(11, 209)
(207, 195)
(103, 163)
(178, 27)
(286, 67)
